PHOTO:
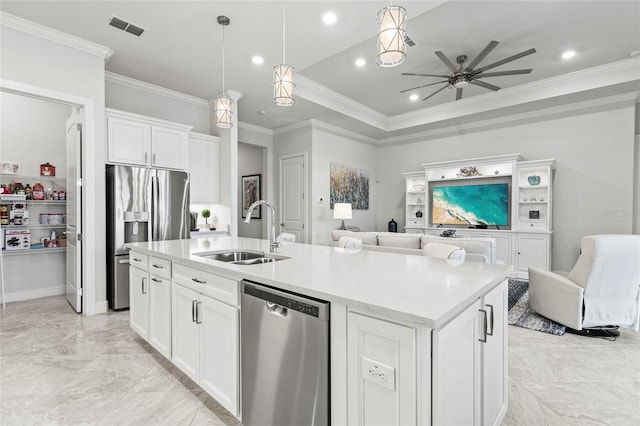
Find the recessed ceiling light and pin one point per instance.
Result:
(329, 18)
(258, 60)
(360, 62)
(414, 97)
(568, 54)
(262, 112)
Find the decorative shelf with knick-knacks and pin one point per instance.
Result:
(533, 182)
(415, 201)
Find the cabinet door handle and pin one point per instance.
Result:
(193, 310)
(137, 260)
(198, 320)
(144, 291)
(155, 280)
(158, 266)
(198, 281)
(484, 327)
(153, 158)
(490, 332)
(145, 157)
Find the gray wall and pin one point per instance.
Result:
(594, 177)
(250, 161)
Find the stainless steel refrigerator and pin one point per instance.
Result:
(142, 205)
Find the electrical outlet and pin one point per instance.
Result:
(379, 373)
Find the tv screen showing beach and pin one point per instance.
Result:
(486, 204)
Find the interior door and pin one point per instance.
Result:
(74, 211)
(293, 185)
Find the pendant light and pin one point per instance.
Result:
(223, 105)
(283, 73)
(392, 48)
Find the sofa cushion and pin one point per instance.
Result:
(394, 239)
(444, 251)
(369, 238)
(482, 247)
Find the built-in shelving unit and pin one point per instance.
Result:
(415, 200)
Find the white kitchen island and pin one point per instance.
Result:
(438, 329)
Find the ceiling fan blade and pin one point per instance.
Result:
(509, 59)
(499, 73)
(437, 91)
(485, 85)
(482, 55)
(424, 85)
(458, 94)
(446, 61)
(425, 75)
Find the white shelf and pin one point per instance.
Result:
(533, 186)
(470, 177)
(34, 225)
(532, 202)
(33, 251)
(415, 204)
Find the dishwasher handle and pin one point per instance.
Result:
(281, 302)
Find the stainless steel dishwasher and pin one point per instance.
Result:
(285, 358)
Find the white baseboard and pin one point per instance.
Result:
(101, 307)
(34, 294)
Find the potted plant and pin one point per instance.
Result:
(206, 213)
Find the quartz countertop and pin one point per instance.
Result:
(408, 288)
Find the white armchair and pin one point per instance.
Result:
(602, 290)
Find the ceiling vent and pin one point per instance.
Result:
(125, 26)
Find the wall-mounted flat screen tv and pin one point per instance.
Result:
(478, 204)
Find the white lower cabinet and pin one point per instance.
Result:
(206, 341)
(382, 372)
(533, 250)
(160, 314)
(469, 364)
(139, 301)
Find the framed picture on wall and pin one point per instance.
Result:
(251, 193)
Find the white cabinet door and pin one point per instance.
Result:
(160, 314)
(381, 382)
(129, 142)
(456, 370)
(494, 372)
(185, 342)
(533, 250)
(168, 148)
(219, 374)
(139, 301)
(204, 170)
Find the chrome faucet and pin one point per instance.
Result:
(273, 243)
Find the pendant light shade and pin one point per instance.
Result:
(392, 48)
(283, 84)
(223, 111)
(223, 104)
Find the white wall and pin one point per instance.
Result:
(47, 65)
(250, 162)
(328, 148)
(33, 133)
(594, 176)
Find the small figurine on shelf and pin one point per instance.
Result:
(47, 169)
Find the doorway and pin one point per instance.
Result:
(34, 132)
(293, 190)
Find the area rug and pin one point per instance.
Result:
(521, 315)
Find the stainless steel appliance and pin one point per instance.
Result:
(142, 205)
(285, 357)
(193, 223)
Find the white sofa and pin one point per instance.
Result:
(477, 249)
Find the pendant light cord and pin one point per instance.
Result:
(223, 60)
(284, 26)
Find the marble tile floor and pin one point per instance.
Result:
(57, 367)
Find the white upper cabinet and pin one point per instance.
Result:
(204, 166)
(144, 141)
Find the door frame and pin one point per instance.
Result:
(89, 212)
(305, 189)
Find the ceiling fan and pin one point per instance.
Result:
(461, 76)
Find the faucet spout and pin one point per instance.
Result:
(273, 243)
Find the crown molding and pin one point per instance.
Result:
(291, 127)
(122, 80)
(548, 113)
(29, 27)
(322, 95)
(204, 137)
(254, 128)
(340, 131)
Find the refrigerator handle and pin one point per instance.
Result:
(154, 208)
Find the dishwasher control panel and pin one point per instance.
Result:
(285, 301)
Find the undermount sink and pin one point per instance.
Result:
(242, 257)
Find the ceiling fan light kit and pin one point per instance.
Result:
(392, 47)
(463, 75)
(223, 105)
(283, 75)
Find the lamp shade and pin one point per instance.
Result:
(342, 211)
(391, 31)
(283, 85)
(223, 111)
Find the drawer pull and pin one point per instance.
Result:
(198, 281)
(137, 260)
(155, 280)
(158, 266)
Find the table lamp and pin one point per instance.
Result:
(342, 211)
